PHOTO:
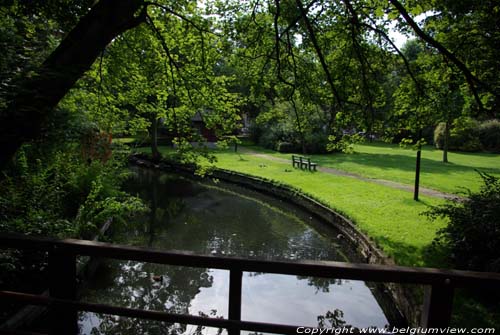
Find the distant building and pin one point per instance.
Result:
(199, 124)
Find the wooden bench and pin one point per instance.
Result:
(303, 162)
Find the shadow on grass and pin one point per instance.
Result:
(402, 253)
(410, 202)
(399, 162)
(430, 255)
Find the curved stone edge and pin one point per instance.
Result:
(407, 298)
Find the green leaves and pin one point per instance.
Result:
(344, 143)
(472, 235)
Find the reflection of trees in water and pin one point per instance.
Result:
(215, 222)
(333, 319)
(184, 215)
(200, 330)
(321, 284)
(131, 284)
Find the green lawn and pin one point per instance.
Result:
(390, 162)
(389, 216)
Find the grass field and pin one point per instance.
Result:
(390, 162)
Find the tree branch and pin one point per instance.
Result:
(166, 49)
(469, 77)
(35, 98)
(315, 43)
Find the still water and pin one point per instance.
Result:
(219, 219)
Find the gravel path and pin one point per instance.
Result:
(423, 190)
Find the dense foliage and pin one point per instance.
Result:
(466, 134)
(66, 183)
(472, 236)
(463, 135)
(489, 135)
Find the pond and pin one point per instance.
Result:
(222, 219)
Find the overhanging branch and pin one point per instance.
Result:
(469, 77)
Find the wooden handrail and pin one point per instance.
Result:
(329, 269)
(33, 299)
(62, 262)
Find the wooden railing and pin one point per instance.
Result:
(64, 306)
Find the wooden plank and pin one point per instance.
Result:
(159, 316)
(156, 315)
(438, 305)
(18, 332)
(354, 271)
(62, 285)
(235, 285)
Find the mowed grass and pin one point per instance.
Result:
(388, 216)
(390, 162)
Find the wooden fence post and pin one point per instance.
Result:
(62, 285)
(235, 283)
(438, 304)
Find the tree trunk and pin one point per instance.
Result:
(35, 97)
(152, 215)
(446, 141)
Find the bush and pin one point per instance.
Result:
(472, 236)
(400, 135)
(316, 142)
(463, 135)
(48, 198)
(489, 135)
(286, 147)
(272, 135)
(344, 143)
(255, 132)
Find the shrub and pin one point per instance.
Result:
(272, 135)
(316, 142)
(255, 132)
(286, 147)
(463, 135)
(46, 198)
(344, 143)
(472, 236)
(267, 140)
(489, 135)
(398, 136)
(284, 138)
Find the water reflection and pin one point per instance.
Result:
(206, 219)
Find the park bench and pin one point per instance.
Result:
(303, 162)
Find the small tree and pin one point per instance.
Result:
(472, 237)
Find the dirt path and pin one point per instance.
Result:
(423, 191)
